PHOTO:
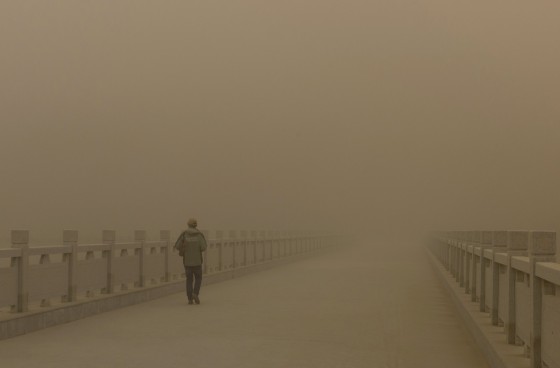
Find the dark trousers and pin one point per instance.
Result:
(193, 273)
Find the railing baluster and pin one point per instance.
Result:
(20, 239)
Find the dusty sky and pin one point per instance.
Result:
(279, 115)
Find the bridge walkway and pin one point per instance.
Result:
(369, 306)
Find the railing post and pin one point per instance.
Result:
(465, 260)
(254, 241)
(270, 241)
(542, 248)
(447, 249)
(20, 239)
(468, 261)
(517, 245)
(70, 238)
(165, 236)
(486, 242)
(278, 243)
(206, 234)
(458, 256)
(233, 244)
(450, 242)
(262, 242)
(458, 253)
(454, 257)
(499, 243)
(109, 237)
(474, 276)
(273, 245)
(452, 267)
(220, 246)
(140, 237)
(290, 240)
(284, 243)
(244, 244)
(462, 256)
(313, 242)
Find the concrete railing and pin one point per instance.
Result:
(35, 277)
(514, 278)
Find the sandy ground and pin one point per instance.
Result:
(355, 308)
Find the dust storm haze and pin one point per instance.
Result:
(336, 115)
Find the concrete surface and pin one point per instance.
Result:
(355, 308)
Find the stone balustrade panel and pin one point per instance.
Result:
(550, 333)
(91, 272)
(250, 255)
(478, 287)
(522, 306)
(227, 255)
(503, 296)
(126, 268)
(268, 244)
(239, 253)
(212, 256)
(154, 261)
(176, 267)
(47, 280)
(8, 284)
(488, 284)
(275, 248)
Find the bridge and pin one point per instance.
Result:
(314, 300)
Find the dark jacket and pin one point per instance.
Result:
(190, 244)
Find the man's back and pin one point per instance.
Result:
(191, 244)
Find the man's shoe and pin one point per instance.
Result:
(190, 301)
(196, 300)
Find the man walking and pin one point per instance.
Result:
(190, 244)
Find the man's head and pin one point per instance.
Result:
(192, 222)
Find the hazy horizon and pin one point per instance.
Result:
(355, 115)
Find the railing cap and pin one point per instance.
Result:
(499, 238)
(70, 237)
(19, 238)
(518, 240)
(486, 237)
(165, 235)
(477, 237)
(109, 236)
(140, 235)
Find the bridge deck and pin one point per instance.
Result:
(353, 308)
